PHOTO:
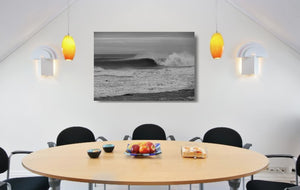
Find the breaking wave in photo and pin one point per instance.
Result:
(178, 59)
(117, 74)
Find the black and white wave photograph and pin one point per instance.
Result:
(144, 66)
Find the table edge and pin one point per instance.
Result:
(147, 182)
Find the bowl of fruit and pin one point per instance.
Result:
(143, 149)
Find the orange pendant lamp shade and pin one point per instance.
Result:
(68, 47)
(216, 45)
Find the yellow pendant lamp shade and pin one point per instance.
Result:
(216, 45)
(68, 47)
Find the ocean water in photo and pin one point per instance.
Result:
(123, 74)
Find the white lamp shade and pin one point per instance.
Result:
(249, 65)
(46, 67)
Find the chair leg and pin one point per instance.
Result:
(90, 186)
(190, 186)
(128, 187)
(243, 183)
(8, 186)
(54, 184)
(234, 184)
(169, 187)
(201, 186)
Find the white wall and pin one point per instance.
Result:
(265, 110)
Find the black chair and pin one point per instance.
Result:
(149, 132)
(72, 135)
(75, 134)
(20, 183)
(225, 136)
(273, 185)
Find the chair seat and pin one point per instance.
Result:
(28, 183)
(267, 185)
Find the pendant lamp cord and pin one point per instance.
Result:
(68, 16)
(216, 16)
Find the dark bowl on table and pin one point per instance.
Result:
(108, 147)
(94, 153)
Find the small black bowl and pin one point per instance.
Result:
(94, 153)
(108, 147)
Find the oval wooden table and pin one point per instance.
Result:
(71, 162)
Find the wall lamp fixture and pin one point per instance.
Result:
(249, 55)
(46, 57)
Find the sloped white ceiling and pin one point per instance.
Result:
(280, 17)
(21, 19)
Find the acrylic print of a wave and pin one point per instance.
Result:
(144, 69)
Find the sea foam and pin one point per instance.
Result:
(179, 59)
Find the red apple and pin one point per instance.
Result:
(135, 148)
(144, 149)
(151, 146)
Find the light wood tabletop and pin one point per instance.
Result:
(71, 162)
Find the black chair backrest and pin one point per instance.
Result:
(149, 132)
(75, 134)
(3, 161)
(223, 135)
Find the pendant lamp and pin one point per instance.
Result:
(216, 45)
(68, 47)
(68, 43)
(216, 42)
